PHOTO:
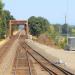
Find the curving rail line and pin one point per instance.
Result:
(36, 55)
(49, 67)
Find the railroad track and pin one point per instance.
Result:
(47, 65)
(22, 64)
(23, 59)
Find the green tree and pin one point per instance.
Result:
(1, 8)
(38, 25)
(57, 28)
(65, 29)
(5, 16)
(1, 11)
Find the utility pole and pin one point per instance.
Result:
(65, 19)
(66, 28)
(67, 10)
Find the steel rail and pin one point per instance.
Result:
(61, 69)
(65, 71)
(29, 68)
(28, 63)
(48, 70)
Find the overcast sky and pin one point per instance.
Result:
(53, 10)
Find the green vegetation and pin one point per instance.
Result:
(57, 32)
(38, 25)
(5, 16)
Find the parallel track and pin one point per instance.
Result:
(22, 64)
(49, 67)
(36, 55)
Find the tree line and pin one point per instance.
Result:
(5, 16)
(39, 25)
(58, 32)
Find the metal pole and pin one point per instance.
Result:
(66, 14)
(67, 34)
(59, 34)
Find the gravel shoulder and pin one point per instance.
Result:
(7, 62)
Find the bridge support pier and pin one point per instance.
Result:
(10, 29)
(26, 28)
